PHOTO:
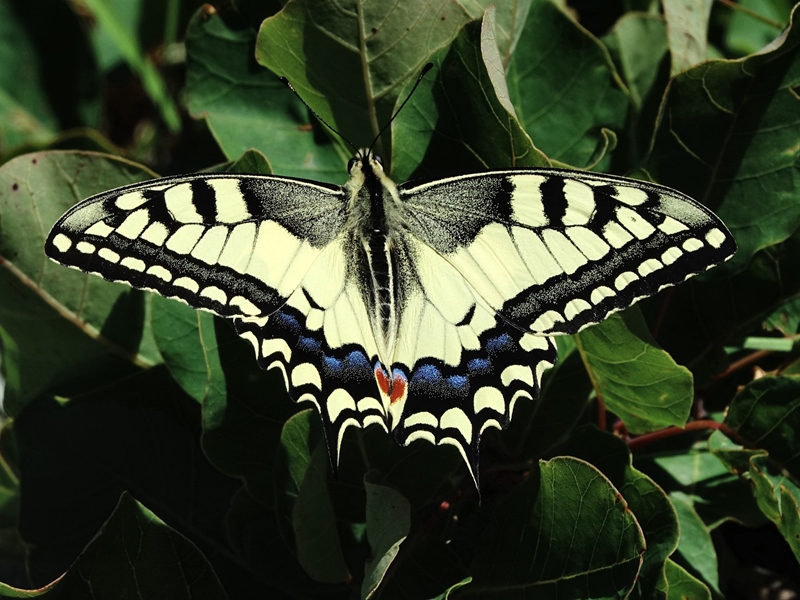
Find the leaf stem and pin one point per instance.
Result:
(642, 441)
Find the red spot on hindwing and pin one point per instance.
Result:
(396, 388)
(382, 379)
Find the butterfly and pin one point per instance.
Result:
(429, 308)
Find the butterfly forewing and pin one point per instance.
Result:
(424, 308)
(554, 251)
(234, 245)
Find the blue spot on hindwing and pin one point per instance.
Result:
(287, 321)
(479, 366)
(500, 343)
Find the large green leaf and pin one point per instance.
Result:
(135, 554)
(564, 532)
(728, 137)
(637, 380)
(564, 87)
(372, 47)
(246, 106)
(58, 324)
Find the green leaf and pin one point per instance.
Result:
(564, 87)
(728, 134)
(48, 76)
(75, 458)
(477, 132)
(687, 24)
(188, 345)
(304, 501)
(777, 495)
(129, 48)
(647, 502)
(372, 47)
(246, 106)
(388, 524)
(637, 380)
(696, 547)
(58, 325)
(136, 554)
(638, 42)
(748, 34)
(682, 585)
(564, 532)
(765, 414)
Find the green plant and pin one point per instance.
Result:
(221, 485)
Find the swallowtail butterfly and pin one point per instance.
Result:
(427, 308)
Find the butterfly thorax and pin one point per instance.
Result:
(373, 224)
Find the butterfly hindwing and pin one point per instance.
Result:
(230, 244)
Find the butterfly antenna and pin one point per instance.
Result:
(422, 73)
(288, 84)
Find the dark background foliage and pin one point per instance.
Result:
(144, 454)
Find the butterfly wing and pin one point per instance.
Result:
(235, 245)
(462, 366)
(506, 259)
(555, 251)
(267, 252)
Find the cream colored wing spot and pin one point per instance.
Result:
(546, 321)
(245, 306)
(185, 238)
(62, 242)
(692, 244)
(214, 293)
(209, 246)
(651, 265)
(580, 203)
(306, 374)
(187, 283)
(575, 307)
(527, 202)
(715, 238)
(540, 262)
(421, 418)
(671, 255)
(160, 272)
(100, 229)
(156, 233)
(632, 196)
(421, 434)
(134, 264)
(134, 224)
(600, 293)
(568, 256)
(109, 255)
(130, 201)
(239, 247)
(623, 280)
(276, 346)
(591, 245)
(635, 223)
(230, 204)
(617, 235)
(488, 397)
(457, 419)
(516, 373)
(338, 401)
(672, 226)
(179, 200)
(530, 342)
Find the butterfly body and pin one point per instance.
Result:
(428, 308)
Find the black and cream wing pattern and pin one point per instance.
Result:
(428, 309)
